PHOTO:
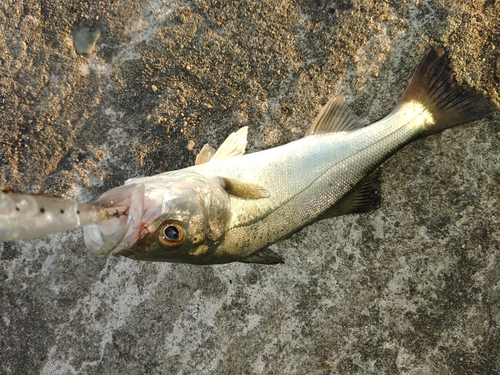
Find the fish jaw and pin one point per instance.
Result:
(122, 230)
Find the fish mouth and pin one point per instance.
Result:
(121, 231)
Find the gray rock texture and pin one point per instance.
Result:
(413, 288)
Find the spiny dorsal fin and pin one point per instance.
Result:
(364, 197)
(334, 117)
(234, 145)
(243, 189)
(206, 153)
(263, 256)
(434, 87)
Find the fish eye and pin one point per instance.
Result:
(172, 233)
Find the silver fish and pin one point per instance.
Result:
(232, 206)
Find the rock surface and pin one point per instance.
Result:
(411, 289)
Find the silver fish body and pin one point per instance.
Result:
(306, 178)
(241, 204)
(230, 206)
(303, 179)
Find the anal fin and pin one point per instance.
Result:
(364, 197)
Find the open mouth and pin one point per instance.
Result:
(122, 230)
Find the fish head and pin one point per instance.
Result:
(178, 217)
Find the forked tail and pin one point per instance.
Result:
(450, 104)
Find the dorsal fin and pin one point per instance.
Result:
(234, 145)
(334, 117)
(206, 153)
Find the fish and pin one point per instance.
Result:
(232, 206)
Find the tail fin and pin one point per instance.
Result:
(434, 86)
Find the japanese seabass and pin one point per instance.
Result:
(230, 206)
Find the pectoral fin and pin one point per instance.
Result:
(264, 256)
(364, 197)
(243, 189)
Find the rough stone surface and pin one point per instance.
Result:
(411, 289)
